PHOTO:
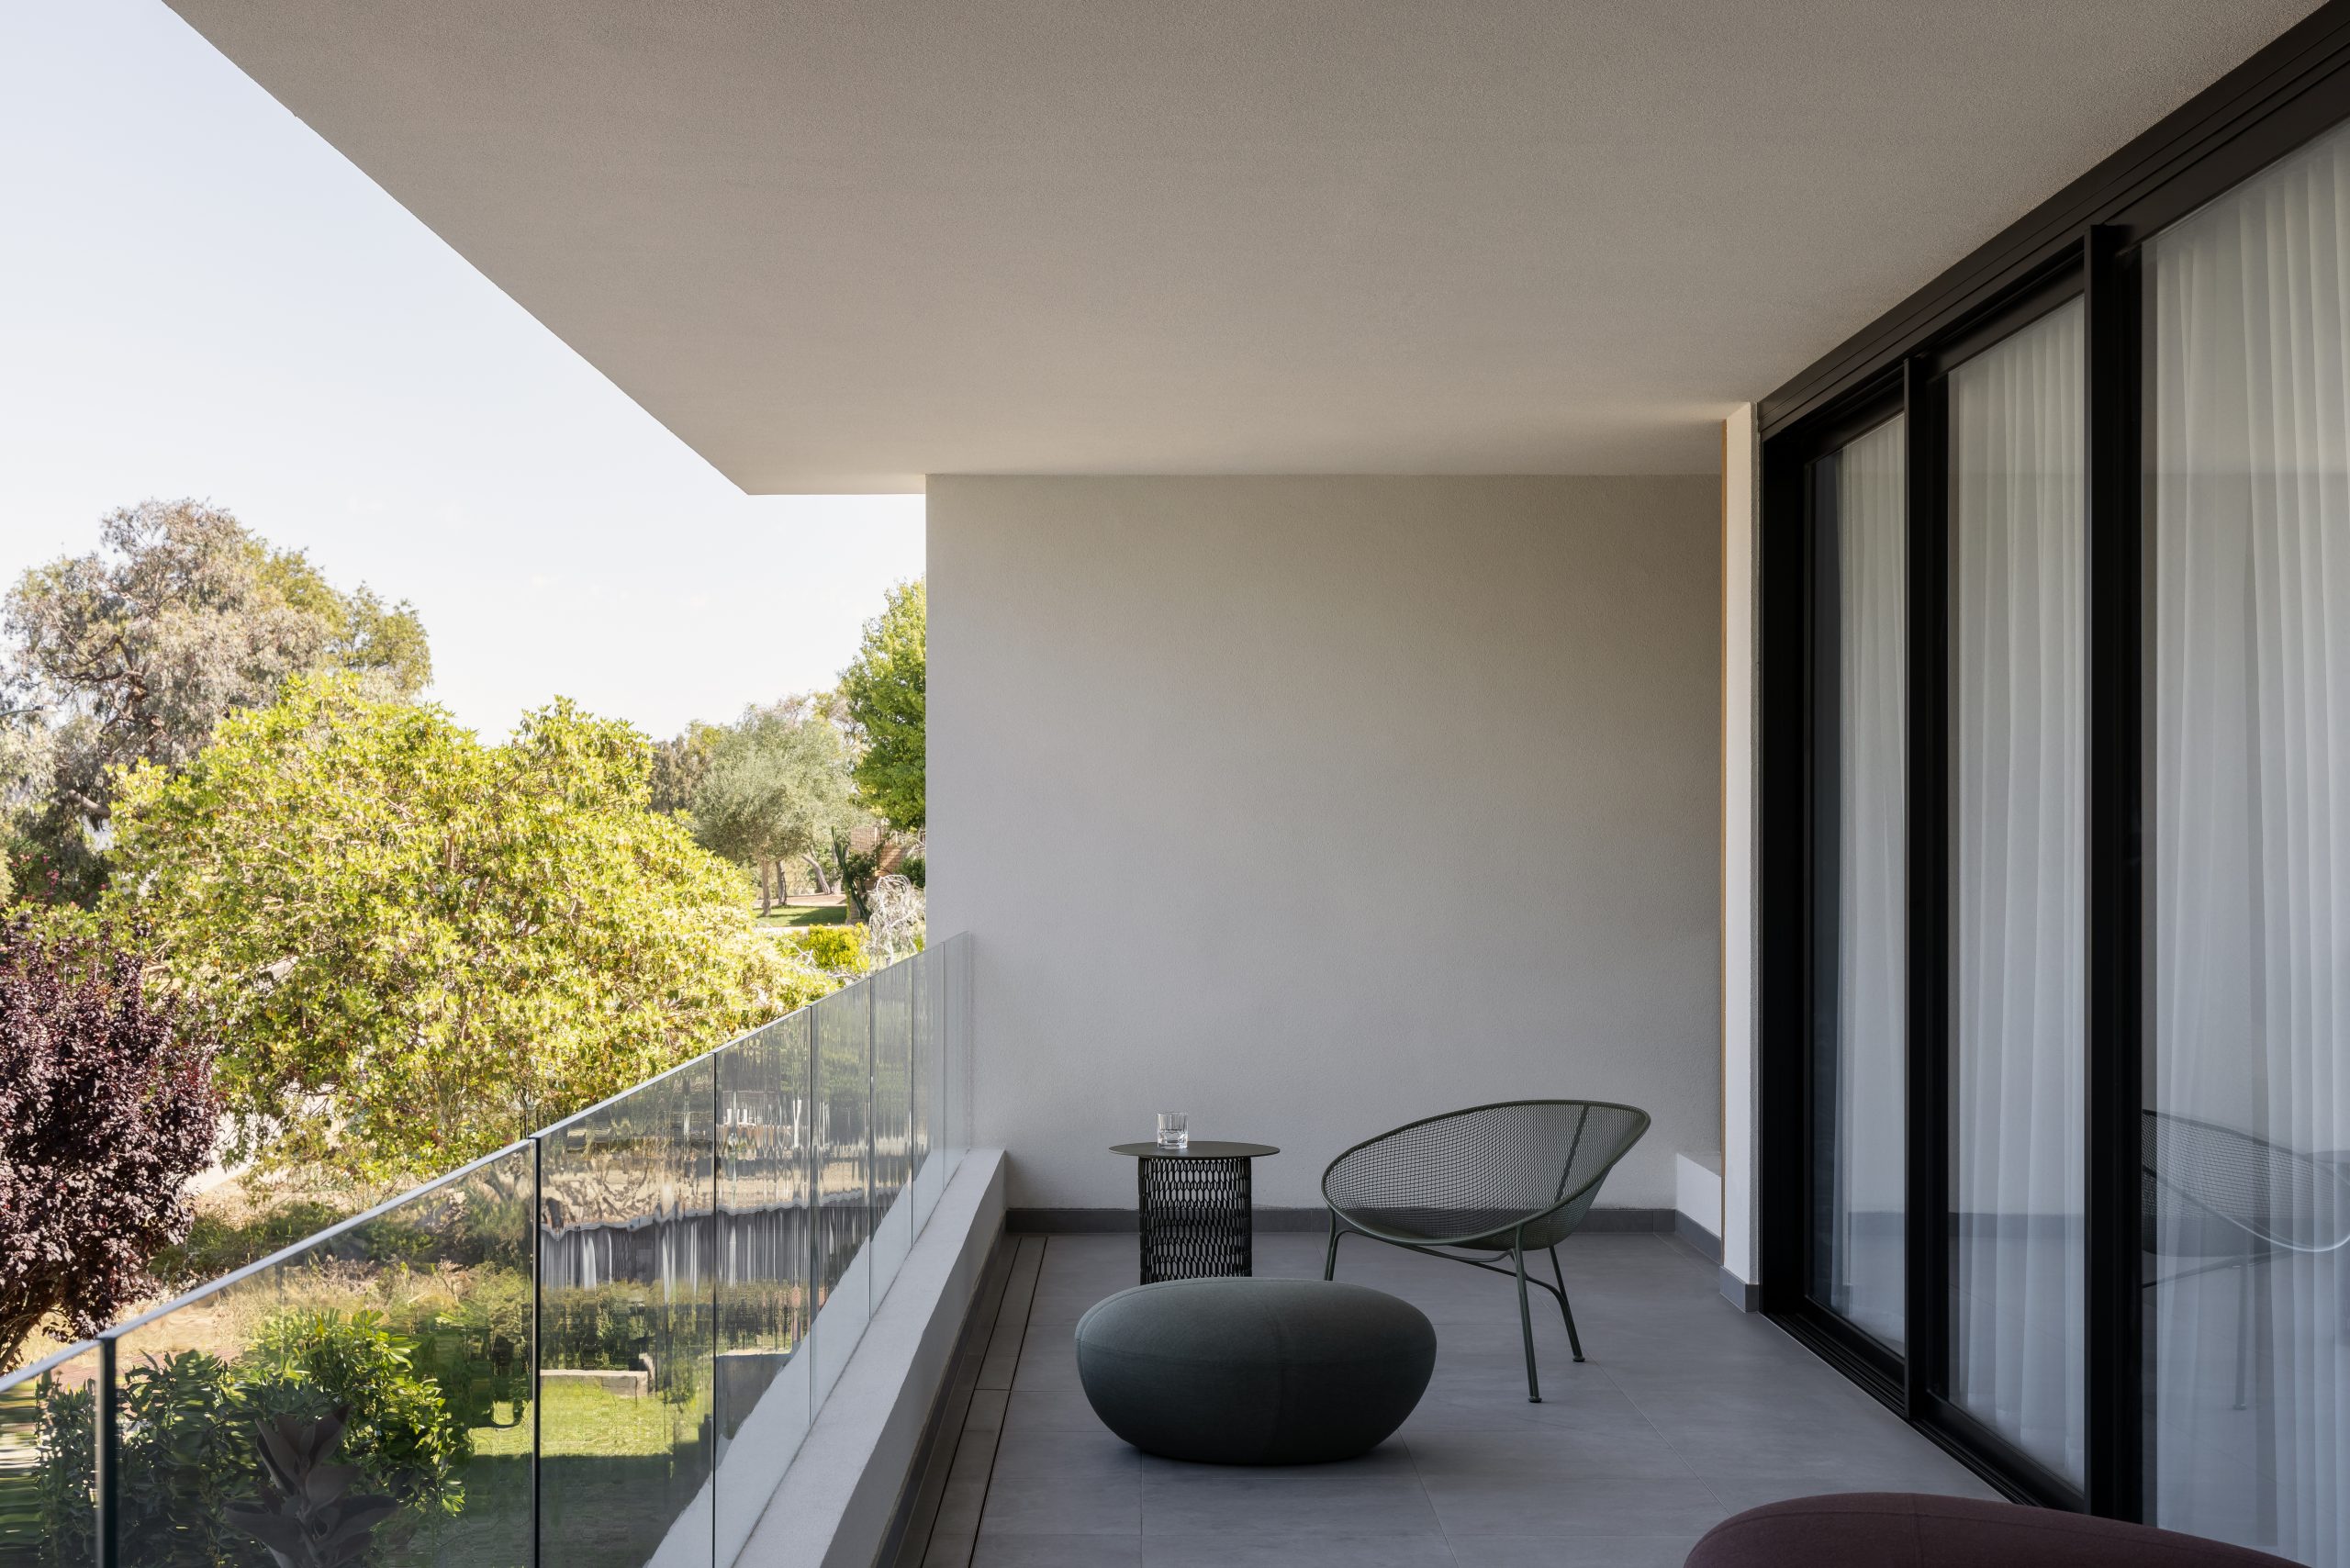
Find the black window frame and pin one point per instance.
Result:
(2085, 242)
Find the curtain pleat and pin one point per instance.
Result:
(1865, 1250)
(2016, 524)
(2250, 844)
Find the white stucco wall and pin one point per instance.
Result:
(1740, 1178)
(1309, 806)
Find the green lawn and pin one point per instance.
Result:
(807, 915)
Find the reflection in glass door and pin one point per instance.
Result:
(2018, 868)
(1860, 1034)
(2247, 1124)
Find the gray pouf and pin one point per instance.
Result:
(1254, 1371)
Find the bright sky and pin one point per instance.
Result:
(200, 298)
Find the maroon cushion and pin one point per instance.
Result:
(1901, 1529)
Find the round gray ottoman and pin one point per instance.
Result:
(1254, 1371)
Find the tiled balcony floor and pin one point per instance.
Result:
(1686, 1411)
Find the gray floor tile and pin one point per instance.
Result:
(1347, 1550)
(1822, 1454)
(959, 1507)
(1063, 1505)
(974, 1458)
(1060, 1308)
(1567, 1505)
(948, 1551)
(1047, 1365)
(1572, 1552)
(1493, 1335)
(1055, 1411)
(1216, 1501)
(1026, 1452)
(1388, 1464)
(1534, 1454)
(1058, 1551)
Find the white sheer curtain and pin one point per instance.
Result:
(1864, 1253)
(2250, 850)
(2017, 513)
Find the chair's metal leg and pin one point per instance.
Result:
(1574, 1340)
(1526, 1324)
(1330, 1259)
(2243, 1331)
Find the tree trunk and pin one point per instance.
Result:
(17, 1328)
(767, 906)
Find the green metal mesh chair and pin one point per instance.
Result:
(1502, 1179)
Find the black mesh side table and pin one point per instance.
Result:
(1196, 1220)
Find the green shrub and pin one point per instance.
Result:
(837, 950)
(400, 1432)
(66, 1478)
(190, 1438)
(186, 1448)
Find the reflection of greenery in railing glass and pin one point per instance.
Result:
(412, 1326)
(659, 1252)
(61, 1493)
(190, 1447)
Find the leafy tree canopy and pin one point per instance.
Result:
(132, 653)
(679, 765)
(418, 946)
(106, 1109)
(776, 784)
(884, 691)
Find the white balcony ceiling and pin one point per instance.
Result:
(840, 244)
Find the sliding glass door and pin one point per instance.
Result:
(1861, 679)
(2053, 957)
(2247, 1105)
(2017, 862)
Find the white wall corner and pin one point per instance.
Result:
(1697, 1189)
(1741, 467)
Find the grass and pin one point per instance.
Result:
(579, 1420)
(806, 915)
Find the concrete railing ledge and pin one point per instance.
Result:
(834, 1507)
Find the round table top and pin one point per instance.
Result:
(1198, 1149)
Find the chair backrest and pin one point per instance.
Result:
(1520, 1158)
(2211, 1188)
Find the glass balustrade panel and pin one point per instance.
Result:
(398, 1345)
(49, 1453)
(762, 1389)
(844, 1274)
(893, 1110)
(628, 1270)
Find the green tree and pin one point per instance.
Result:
(417, 946)
(776, 787)
(883, 689)
(133, 652)
(679, 765)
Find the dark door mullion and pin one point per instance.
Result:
(2115, 1082)
(1927, 1253)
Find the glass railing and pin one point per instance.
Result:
(599, 1347)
